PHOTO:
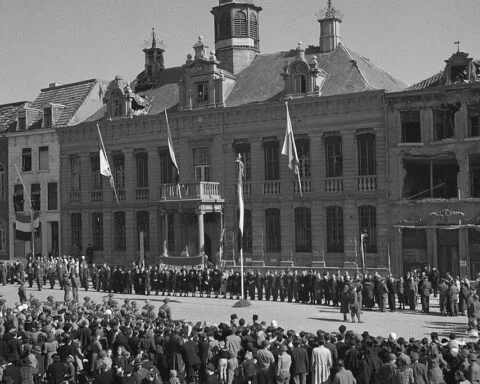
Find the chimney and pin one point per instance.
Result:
(330, 28)
(53, 85)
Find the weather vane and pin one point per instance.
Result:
(457, 43)
(152, 41)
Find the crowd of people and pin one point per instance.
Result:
(114, 342)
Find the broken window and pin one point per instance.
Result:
(474, 120)
(444, 121)
(459, 74)
(430, 178)
(475, 176)
(411, 128)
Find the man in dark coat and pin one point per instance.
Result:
(192, 358)
(419, 370)
(56, 371)
(300, 362)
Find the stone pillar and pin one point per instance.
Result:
(201, 231)
(432, 246)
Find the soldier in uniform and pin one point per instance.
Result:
(250, 285)
(216, 281)
(275, 286)
(206, 283)
(268, 285)
(147, 280)
(289, 284)
(38, 271)
(84, 273)
(192, 281)
(392, 292)
(443, 291)
(30, 274)
(453, 293)
(260, 283)
(425, 292)
(382, 295)
(76, 284)
(67, 286)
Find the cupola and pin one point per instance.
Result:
(330, 28)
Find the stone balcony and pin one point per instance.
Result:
(333, 184)
(367, 183)
(203, 191)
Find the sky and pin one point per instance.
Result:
(65, 41)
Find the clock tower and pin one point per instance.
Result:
(237, 39)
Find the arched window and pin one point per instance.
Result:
(253, 26)
(240, 24)
(225, 27)
(300, 84)
(2, 183)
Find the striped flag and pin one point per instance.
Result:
(241, 174)
(289, 149)
(23, 225)
(172, 155)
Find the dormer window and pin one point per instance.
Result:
(300, 84)
(459, 74)
(22, 121)
(202, 93)
(117, 108)
(47, 117)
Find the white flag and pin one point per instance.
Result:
(289, 149)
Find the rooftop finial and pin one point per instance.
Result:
(330, 12)
(457, 43)
(154, 41)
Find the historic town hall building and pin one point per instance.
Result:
(228, 100)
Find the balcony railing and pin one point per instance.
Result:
(271, 188)
(120, 194)
(367, 183)
(202, 190)
(75, 196)
(306, 186)
(96, 196)
(334, 184)
(142, 194)
(247, 188)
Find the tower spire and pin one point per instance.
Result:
(154, 41)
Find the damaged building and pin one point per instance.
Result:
(433, 167)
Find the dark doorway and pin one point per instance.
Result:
(207, 247)
(447, 252)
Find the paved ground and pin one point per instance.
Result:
(288, 315)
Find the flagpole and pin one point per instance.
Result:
(105, 154)
(172, 154)
(32, 224)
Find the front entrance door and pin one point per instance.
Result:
(447, 252)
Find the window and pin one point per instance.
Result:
(75, 172)
(201, 162)
(475, 176)
(334, 157)
(97, 180)
(272, 166)
(334, 229)
(3, 191)
(47, 117)
(247, 231)
(366, 154)
(167, 169)
(76, 222)
(474, 120)
(26, 159)
(427, 178)
(225, 28)
(3, 236)
(22, 122)
(52, 196)
(119, 170)
(303, 152)
(411, 127)
(272, 230)
(367, 215)
(143, 226)
(240, 24)
(253, 26)
(244, 151)
(202, 93)
(303, 230)
(97, 227)
(300, 84)
(141, 159)
(444, 122)
(35, 196)
(120, 232)
(43, 160)
(171, 232)
(18, 199)
(117, 108)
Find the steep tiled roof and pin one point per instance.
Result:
(432, 81)
(8, 116)
(70, 95)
